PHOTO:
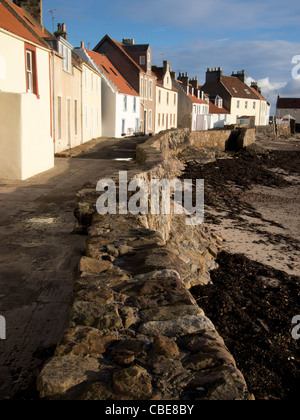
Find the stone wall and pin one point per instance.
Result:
(135, 332)
(283, 130)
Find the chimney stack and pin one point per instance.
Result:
(61, 31)
(34, 7)
(214, 74)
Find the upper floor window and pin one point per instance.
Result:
(142, 60)
(134, 104)
(149, 62)
(67, 56)
(246, 104)
(125, 103)
(31, 70)
(150, 90)
(238, 104)
(254, 105)
(159, 96)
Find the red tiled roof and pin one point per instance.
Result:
(213, 109)
(258, 94)
(288, 103)
(196, 100)
(112, 73)
(11, 24)
(28, 20)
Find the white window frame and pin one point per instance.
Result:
(29, 70)
(142, 60)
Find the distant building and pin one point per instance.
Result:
(288, 107)
(134, 63)
(166, 99)
(193, 106)
(238, 98)
(120, 102)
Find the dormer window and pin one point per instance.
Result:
(142, 60)
(247, 91)
(149, 61)
(67, 56)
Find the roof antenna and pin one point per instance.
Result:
(53, 18)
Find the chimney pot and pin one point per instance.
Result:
(82, 44)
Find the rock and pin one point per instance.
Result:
(82, 341)
(166, 313)
(97, 391)
(128, 315)
(112, 250)
(222, 384)
(93, 266)
(133, 383)
(208, 358)
(178, 326)
(102, 295)
(62, 373)
(165, 346)
(213, 250)
(92, 314)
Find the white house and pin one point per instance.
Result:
(218, 115)
(120, 102)
(26, 144)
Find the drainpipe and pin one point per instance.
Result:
(53, 101)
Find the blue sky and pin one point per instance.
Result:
(261, 37)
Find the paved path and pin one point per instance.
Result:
(38, 256)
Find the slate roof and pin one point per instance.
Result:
(237, 88)
(288, 103)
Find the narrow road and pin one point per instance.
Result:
(38, 257)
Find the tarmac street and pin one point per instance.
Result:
(39, 254)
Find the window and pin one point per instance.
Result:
(159, 96)
(142, 60)
(150, 120)
(76, 116)
(67, 56)
(142, 88)
(29, 71)
(146, 89)
(163, 119)
(246, 104)
(86, 117)
(149, 62)
(134, 104)
(125, 103)
(168, 98)
(123, 127)
(254, 105)
(150, 89)
(238, 104)
(175, 99)
(159, 120)
(59, 117)
(86, 78)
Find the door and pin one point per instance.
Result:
(69, 122)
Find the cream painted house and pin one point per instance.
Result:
(26, 145)
(166, 112)
(66, 78)
(238, 98)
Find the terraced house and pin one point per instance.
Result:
(120, 102)
(238, 98)
(134, 63)
(166, 111)
(26, 145)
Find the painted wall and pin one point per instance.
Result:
(293, 112)
(218, 120)
(67, 87)
(26, 144)
(131, 118)
(12, 66)
(242, 110)
(91, 104)
(166, 110)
